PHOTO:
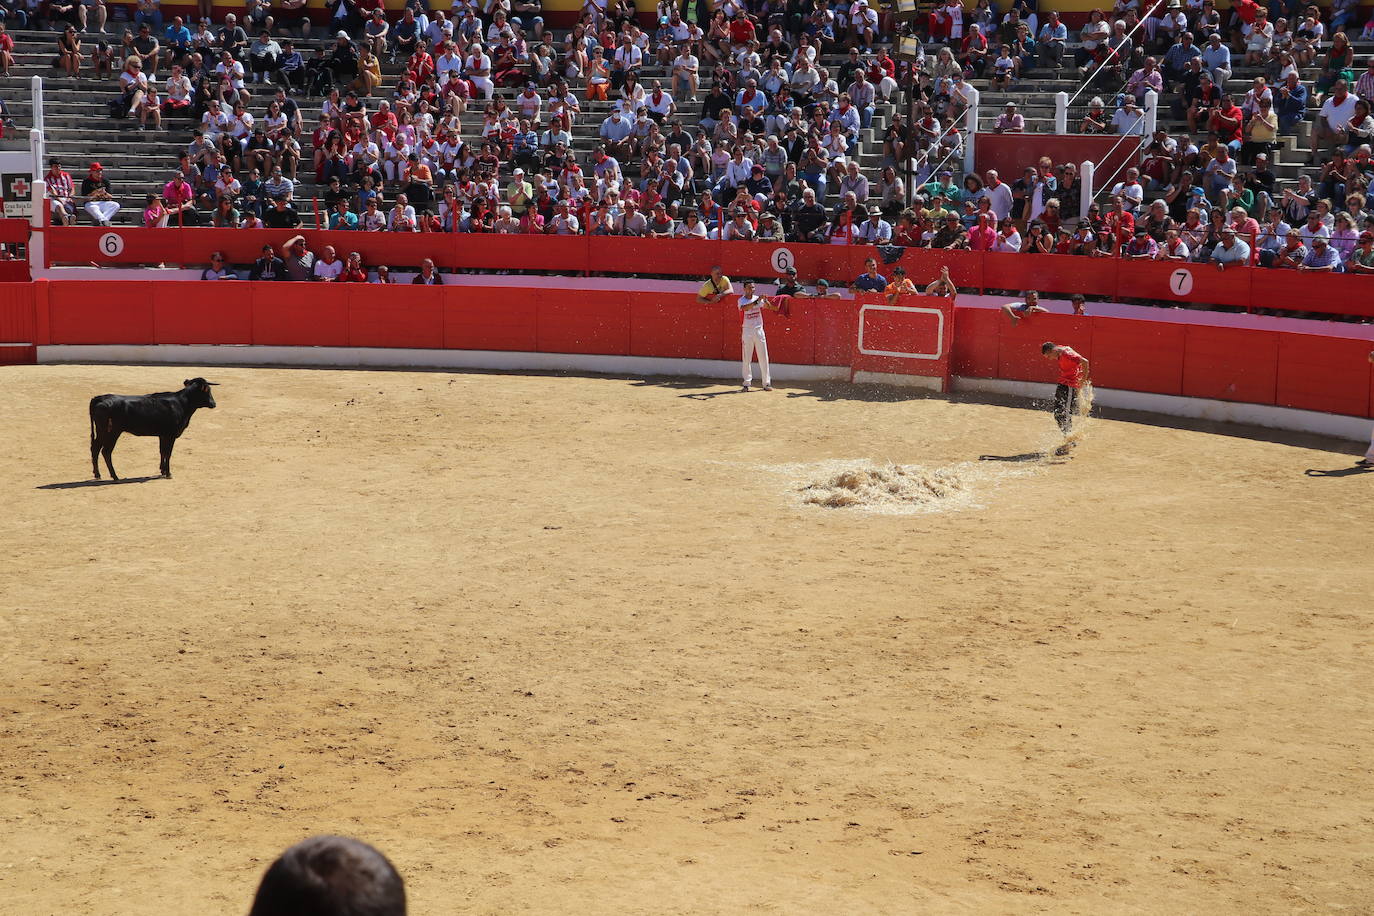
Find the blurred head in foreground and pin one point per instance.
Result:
(330, 876)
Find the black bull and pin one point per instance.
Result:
(165, 415)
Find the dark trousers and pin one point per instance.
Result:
(1065, 406)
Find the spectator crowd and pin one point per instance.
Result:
(770, 121)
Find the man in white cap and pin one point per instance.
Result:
(863, 24)
(519, 193)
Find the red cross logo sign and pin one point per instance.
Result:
(20, 187)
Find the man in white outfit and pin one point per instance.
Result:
(751, 306)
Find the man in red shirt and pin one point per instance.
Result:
(742, 31)
(1073, 374)
(60, 192)
(1227, 121)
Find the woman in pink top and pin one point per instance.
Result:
(983, 235)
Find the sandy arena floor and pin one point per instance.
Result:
(574, 645)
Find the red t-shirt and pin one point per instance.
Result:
(742, 30)
(1070, 367)
(1123, 224)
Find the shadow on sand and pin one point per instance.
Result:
(1339, 472)
(77, 484)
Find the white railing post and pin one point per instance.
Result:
(1151, 116)
(37, 84)
(971, 125)
(1061, 112)
(1086, 191)
(38, 195)
(37, 150)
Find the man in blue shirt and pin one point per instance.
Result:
(1216, 57)
(1054, 36)
(1322, 257)
(1290, 101)
(291, 66)
(177, 38)
(1231, 251)
(407, 35)
(1177, 57)
(525, 147)
(870, 281)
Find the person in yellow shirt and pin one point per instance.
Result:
(900, 286)
(716, 287)
(936, 211)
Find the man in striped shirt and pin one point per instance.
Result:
(60, 194)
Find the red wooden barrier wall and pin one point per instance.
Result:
(1101, 278)
(1323, 373)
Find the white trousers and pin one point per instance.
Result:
(102, 211)
(1370, 454)
(754, 342)
(483, 85)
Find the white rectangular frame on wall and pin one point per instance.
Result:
(939, 331)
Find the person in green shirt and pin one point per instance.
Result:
(943, 186)
(342, 218)
(1238, 195)
(1362, 258)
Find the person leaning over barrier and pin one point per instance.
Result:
(716, 287)
(870, 281)
(901, 285)
(1027, 308)
(1231, 251)
(330, 876)
(823, 290)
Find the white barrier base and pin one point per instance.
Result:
(379, 358)
(864, 377)
(1308, 421)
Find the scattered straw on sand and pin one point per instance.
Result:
(914, 488)
(895, 489)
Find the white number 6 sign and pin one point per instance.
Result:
(111, 244)
(783, 259)
(1181, 282)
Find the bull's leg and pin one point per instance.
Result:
(165, 447)
(95, 457)
(106, 448)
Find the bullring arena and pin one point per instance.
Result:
(1030, 574)
(563, 643)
